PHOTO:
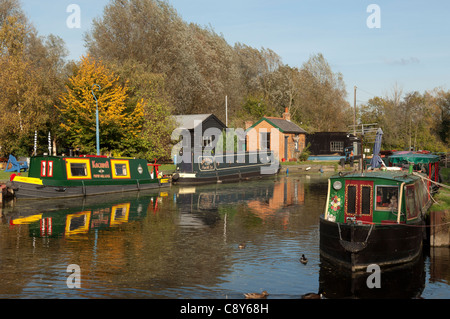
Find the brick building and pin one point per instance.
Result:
(280, 135)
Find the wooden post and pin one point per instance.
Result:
(400, 199)
(439, 228)
(328, 199)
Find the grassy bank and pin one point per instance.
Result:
(4, 176)
(443, 196)
(443, 199)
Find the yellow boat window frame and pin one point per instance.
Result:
(70, 161)
(123, 217)
(126, 175)
(82, 229)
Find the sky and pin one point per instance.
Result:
(395, 43)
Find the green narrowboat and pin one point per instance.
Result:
(226, 167)
(60, 176)
(69, 218)
(374, 217)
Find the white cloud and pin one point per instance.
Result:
(402, 61)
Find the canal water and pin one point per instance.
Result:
(184, 243)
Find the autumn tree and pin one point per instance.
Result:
(120, 124)
(411, 120)
(31, 76)
(320, 102)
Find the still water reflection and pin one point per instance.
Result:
(184, 243)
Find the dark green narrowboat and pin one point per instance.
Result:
(62, 218)
(226, 168)
(60, 176)
(375, 217)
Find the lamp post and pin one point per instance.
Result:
(97, 130)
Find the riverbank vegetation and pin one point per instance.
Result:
(150, 64)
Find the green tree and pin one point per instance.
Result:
(320, 102)
(120, 125)
(408, 121)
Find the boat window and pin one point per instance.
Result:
(366, 200)
(411, 208)
(351, 199)
(46, 168)
(77, 222)
(43, 168)
(50, 169)
(78, 169)
(387, 198)
(121, 169)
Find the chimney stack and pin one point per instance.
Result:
(286, 115)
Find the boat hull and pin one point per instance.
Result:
(220, 176)
(33, 191)
(358, 246)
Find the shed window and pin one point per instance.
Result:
(265, 141)
(336, 146)
(207, 141)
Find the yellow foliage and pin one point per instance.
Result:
(118, 121)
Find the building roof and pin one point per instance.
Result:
(284, 126)
(190, 121)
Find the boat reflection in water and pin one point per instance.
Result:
(63, 218)
(206, 205)
(341, 283)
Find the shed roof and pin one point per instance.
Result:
(283, 125)
(191, 121)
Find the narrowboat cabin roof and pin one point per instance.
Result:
(97, 167)
(397, 176)
(57, 176)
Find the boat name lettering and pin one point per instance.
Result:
(102, 176)
(100, 165)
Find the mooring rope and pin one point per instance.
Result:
(354, 246)
(427, 179)
(408, 225)
(430, 180)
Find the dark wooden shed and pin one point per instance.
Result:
(329, 143)
(200, 123)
